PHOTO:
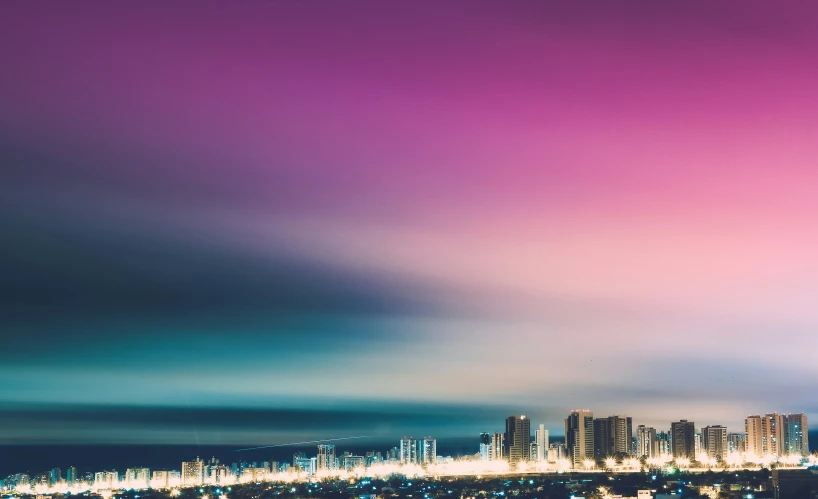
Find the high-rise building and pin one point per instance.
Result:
(518, 438)
(646, 441)
(621, 430)
(497, 451)
(71, 475)
(613, 435)
(663, 446)
(714, 442)
(602, 439)
(325, 460)
(683, 439)
(541, 439)
(408, 450)
(772, 434)
(427, 451)
(579, 436)
(193, 472)
(753, 442)
(485, 447)
(796, 434)
(56, 476)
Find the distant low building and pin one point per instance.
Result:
(309, 465)
(556, 452)
(735, 442)
(137, 478)
(254, 474)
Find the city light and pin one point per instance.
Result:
(354, 469)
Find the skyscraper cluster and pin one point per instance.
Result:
(589, 439)
(776, 435)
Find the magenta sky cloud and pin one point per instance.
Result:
(623, 190)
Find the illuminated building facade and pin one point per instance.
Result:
(518, 438)
(735, 442)
(579, 436)
(541, 439)
(137, 478)
(556, 452)
(752, 436)
(408, 450)
(350, 462)
(663, 446)
(427, 451)
(796, 434)
(497, 447)
(193, 472)
(326, 458)
(485, 447)
(772, 434)
(613, 435)
(308, 465)
(646, 441)
(714, 442)
(106, 480)
(683, 439)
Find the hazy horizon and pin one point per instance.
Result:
(279, 221)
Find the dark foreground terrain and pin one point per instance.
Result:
(735, 485)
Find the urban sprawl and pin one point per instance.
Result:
(607, 444)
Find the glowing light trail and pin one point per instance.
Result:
(303, 443)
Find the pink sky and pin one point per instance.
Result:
(635, 180)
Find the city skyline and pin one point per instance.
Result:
(605, 444)
(266, 222)
(618, 439)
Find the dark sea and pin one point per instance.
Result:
(33, 459)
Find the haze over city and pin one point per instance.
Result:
(256, 223)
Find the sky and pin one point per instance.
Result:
(261, 222)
